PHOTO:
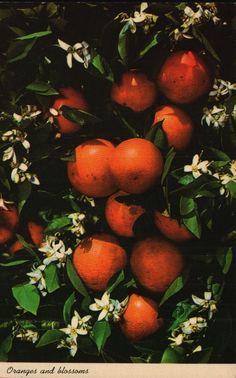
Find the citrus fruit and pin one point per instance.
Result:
(97, 259)
(9, 220)
(121, 216)
(140, 318)
(184, 77)
(176, 125)
(171, 228)
(135, 91)
(136, 165)
(90, 173)
(73, 99)
(156, 263)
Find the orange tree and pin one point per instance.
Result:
(131, 106)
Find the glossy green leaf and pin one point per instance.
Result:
(51, 278)
(224, 257)
(57, 224)
(192, 223)
(79, 116)
(115, 281)
(14, 263)
(75, 279)
(42, 88)
(49, 337)
(19, 50)
(123, 42)
(24, 192)
(185, 180)
(35, 35)
(68, 308)
(101, 332)
(155, 39)
(172, 355)
(187, 205)
(175, 287)
(168, 161)
(27, 296)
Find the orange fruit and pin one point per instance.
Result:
(90, 173)
(171, 228)
(156, 263)
(177, 126)
(9, 220)
(140, 318)
(73, 99)
(184, 77)
(121, 216)
(136, 165)
(135, 91)
(34, 235)
(97, 259)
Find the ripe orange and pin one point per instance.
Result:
(140, 318)
(136, 165)
(184, 77)
(135, 91)
(156, 263)
(73, 99)
(97, 259)
(121, 216)
(171, 228)
(177, 126)
(90, 173)
(9, 220)
(34, 235)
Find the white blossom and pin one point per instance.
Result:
(78, 223)
(103, 305)
(54, 249)
(193, 325)
(118, 308)
(233, 167)
(180, 34)
(20, 172)
(14, 136)
(27, 112)
(28, 335)
(9, 154)
(78, 326)
(197, 167)
(216, 116)
(224, 180)
(88, 200)
(37, 278)
(69, 343)
(207, 303)
(79, 51)
(222, 88)
(3, 203)
(176, 340)
(146, 20)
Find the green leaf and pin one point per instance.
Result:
(224, 257)
(5, 347)
(102, 67)
(42, 88)
(157, 135)
(3, 179)
(175, 287)
(201, 38)
(172, 355)
(24, 192)
(57, 224)
(123, 42)
(231, 186)
(49, 337)
(218, 154)
(168, 161)
(87, 345)
(14, 263)
(101, 332)
(115, 281)
(19, 50)
(79, 116)
(35, 35)
(67, 308)
(51, 277)
(155, 39)
(185, 180)
(192, 223)
(27, 296)
(130, 128)
(75, 279)
(17, 30)
(187, 205)
(200, 357)
(28, 247)
(138, 360)
(181, 313)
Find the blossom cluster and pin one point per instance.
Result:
(15, 136)
(202, 13)
(108, 308)
(225, 175)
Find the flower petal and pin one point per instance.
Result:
(102, 314)
(63, 45)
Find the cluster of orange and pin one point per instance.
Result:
(101, 169)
